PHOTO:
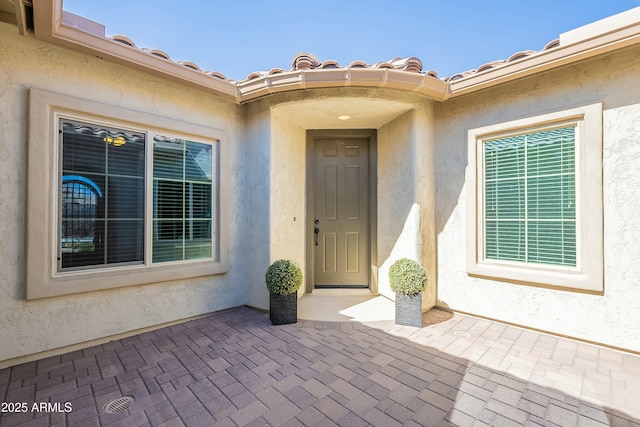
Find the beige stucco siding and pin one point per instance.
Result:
(30, 327)
(288, 185)
(405, 196)
(255, 212)
(274, 173)
(612, 318)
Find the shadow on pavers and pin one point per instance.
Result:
(235, 367)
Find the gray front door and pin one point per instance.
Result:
(341, 212)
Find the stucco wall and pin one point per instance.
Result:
(256, 216)
(274, 172)
(288, 187)
(34, 326)
(405, 196)
(612, 318)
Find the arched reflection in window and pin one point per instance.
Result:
(80, 239)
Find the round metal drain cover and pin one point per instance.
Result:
(118, 405)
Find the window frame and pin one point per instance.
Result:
(588, 274)
(43, 279)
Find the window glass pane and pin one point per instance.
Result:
(126, 157)
(102, 196)
(551, 197)
(168, 199)
(529, 197)
(552, 242)
(171, 231)
(198, 242)
(182, 199)
(505, 240)
(551, 152)
(505, 199)
(504, 158)
(200, 200)
(168, 158)
(83, 148)
(125, 240)
(125, 197)
(198, 162)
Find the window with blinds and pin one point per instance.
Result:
(103, 199)
(530, 197)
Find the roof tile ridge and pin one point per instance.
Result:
(411, 64)
(305, 61)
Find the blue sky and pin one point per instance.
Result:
(237, 38)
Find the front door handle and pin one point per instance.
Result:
(316, 231)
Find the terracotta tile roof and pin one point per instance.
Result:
(489, 65)
(161, 54)
(306, 61)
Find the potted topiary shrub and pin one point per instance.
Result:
(283, 278)
(408, 279)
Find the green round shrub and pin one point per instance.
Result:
(283, 277)
(407, 277)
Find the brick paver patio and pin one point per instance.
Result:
(235, 369)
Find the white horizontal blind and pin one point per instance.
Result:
(182, 199)
(530, 197)
(101, 196)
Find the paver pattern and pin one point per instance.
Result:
(236, 369)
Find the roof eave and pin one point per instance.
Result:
(51, 27)
(548, 60)
(421, 84)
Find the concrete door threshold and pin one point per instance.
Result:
(344, 305)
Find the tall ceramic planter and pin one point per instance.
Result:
(283, 309)
(409, 310)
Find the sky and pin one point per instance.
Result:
(237, 38)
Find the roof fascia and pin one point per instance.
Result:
(50, 26)
(549, 59)
(421, 84)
